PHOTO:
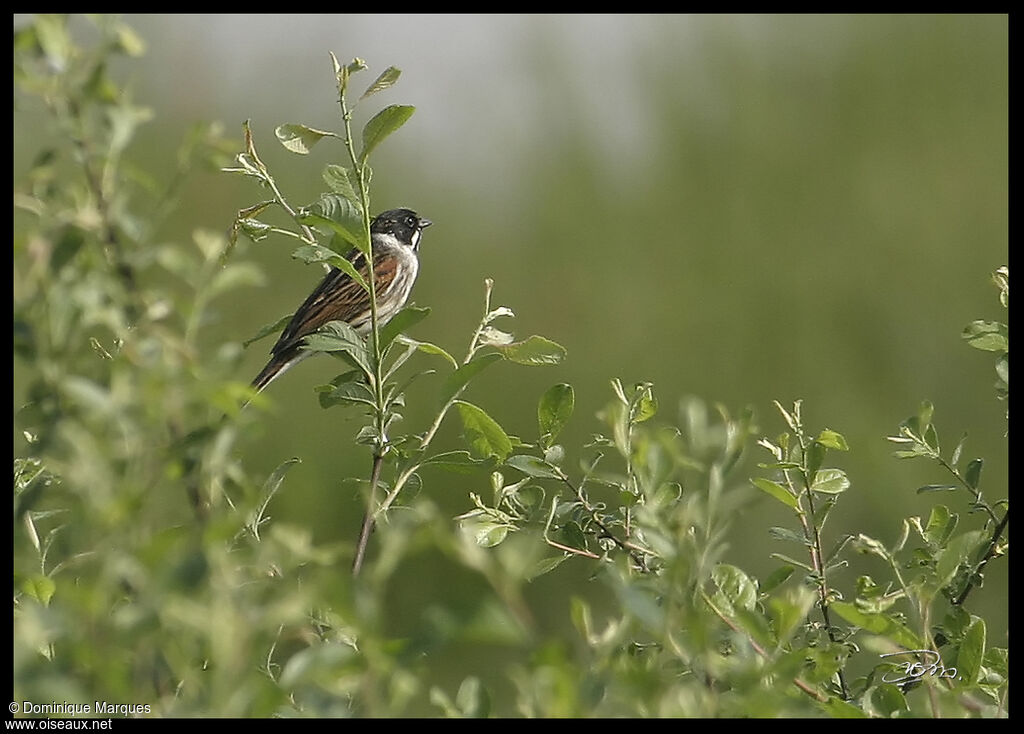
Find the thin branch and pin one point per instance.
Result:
(990, 553)
(637, 553)
(368, 518)
(811, 533)
(474, 347)
(805, 687)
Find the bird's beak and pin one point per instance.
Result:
(424, 223)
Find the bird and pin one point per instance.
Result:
(395, 237)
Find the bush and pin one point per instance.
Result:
(150, 579)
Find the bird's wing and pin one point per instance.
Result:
(337, 298)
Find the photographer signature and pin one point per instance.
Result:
(914, 670)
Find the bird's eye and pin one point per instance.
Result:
(411, 221)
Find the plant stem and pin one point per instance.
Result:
(978, 499)
(811, 532)
(988, 555)
(405, 474)
(805, 687)
(264, 174)
(380, 409)
(637, 553)
(368, 519)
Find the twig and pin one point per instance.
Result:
(637, 553)
(811, 533)
(805, 687)
(368, 518)
(989, 555)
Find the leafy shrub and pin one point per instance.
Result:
(149, 574)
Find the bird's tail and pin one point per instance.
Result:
(269, 373)
(277, 366)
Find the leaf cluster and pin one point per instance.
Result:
(149, 565)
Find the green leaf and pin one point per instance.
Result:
(936, 488)
(776, 578)
(736, 588)
(486, 438)
(646, 406)
(620, 393)
(352, 391)
(533, 466)
(755, 624)
(997, 660)
(337, 336)
(1001, 278)
(786, 465)
(428, 348)
(815, 455)
(338, 215)
(300, 138)
(838, 547)
(404, 319)
(879, 624)
(254, 229)
(340, 181)
(491, 337)
(270, 488)
(545, 565)
(941, 524)
(129, 42)
(554, 410)
(961, 549)
(572, 534)
(554, 454)
(386, 79)
(41, 588)
(791, 561)
(268, 329)
(356, 64)
(791, 419)
(989, 336)
(830, 481)
(458, 379)
(310, 254)
(867, 544)
(955, 458)
(535, 350)
(314, 662)
(924, 416)
(787, 534)
(486, 533)
(887, 700)
(54, 39)
(789, 609)
(914, 453)
(972, 652)
(832, 440)
(839, 709)
(472, 699)
(777, 491)
(459, 462)
(382, 125)
(644, 605)
(1003, 372)
(273, 481)
(972, 475)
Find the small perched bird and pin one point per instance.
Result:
(395, 235)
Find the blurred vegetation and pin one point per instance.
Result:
(741, 209)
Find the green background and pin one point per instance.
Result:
(738, 208)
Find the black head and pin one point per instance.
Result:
(405, 224)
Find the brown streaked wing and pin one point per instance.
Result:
(337, 298)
